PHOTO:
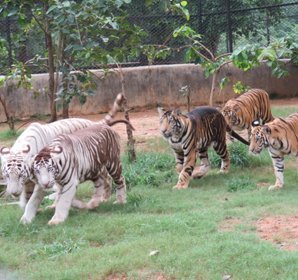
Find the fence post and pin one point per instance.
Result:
(8, 36)
(267, 28)
(229, 27)
(199, 13)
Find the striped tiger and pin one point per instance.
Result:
(92, 154)
(16, 160)
(281, 138)
(193, 133)
(252, 105)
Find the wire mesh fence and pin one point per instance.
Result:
(223, 24)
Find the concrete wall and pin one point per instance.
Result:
(148, 86)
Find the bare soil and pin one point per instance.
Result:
(281, 230)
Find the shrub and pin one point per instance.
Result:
(239, 156)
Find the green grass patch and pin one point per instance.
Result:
(9, 134)
(283, 111)
(185, 227)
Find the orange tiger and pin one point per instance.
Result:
(281, 138)
(252, 105)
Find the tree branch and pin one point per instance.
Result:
(39, 24)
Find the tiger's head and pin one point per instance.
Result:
(233, 114)
(15, 169)
(259, 138)
(274, 135)
(172, 123)
(45, 168)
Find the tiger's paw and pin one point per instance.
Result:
(52, 206)
(120, 200)
(25, 220)
(223, 171)
(54, 222)
(200, 171)
(180, 187)
(274, 187)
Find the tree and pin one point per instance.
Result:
(90, 33)
(15, 77)
(245, 57)
(78, 34)
(32, 14)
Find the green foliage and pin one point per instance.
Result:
(181, 8)
(239, 156)
(252, 55)
(246, 57)
(84, 33)
(151, 170)
(19, 74)
(239, 87)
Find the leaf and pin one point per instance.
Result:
(184, 30)
(51, 9)
(239, 87)
(183, 3)
(267, 53)
(66, 4)
(12, 12)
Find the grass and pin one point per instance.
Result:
(283, 111)
(115, 241)
(8, 136)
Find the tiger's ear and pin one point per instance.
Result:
(26, 149)
(57, 149)
(177, 112)
(161, 111)
(237, 108)
(4, 150)
(266, 129)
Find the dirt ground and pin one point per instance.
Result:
(281, 230)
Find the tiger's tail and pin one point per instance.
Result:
(122, 121)
(236, 135)
(118, 103)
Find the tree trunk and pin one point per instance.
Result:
(214, 76)
(65, 82)
(9, 118)
(188, 102)
(131, 141)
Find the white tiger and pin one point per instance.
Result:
(92, 154)
(16, 160)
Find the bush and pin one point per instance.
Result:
(240, 157)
